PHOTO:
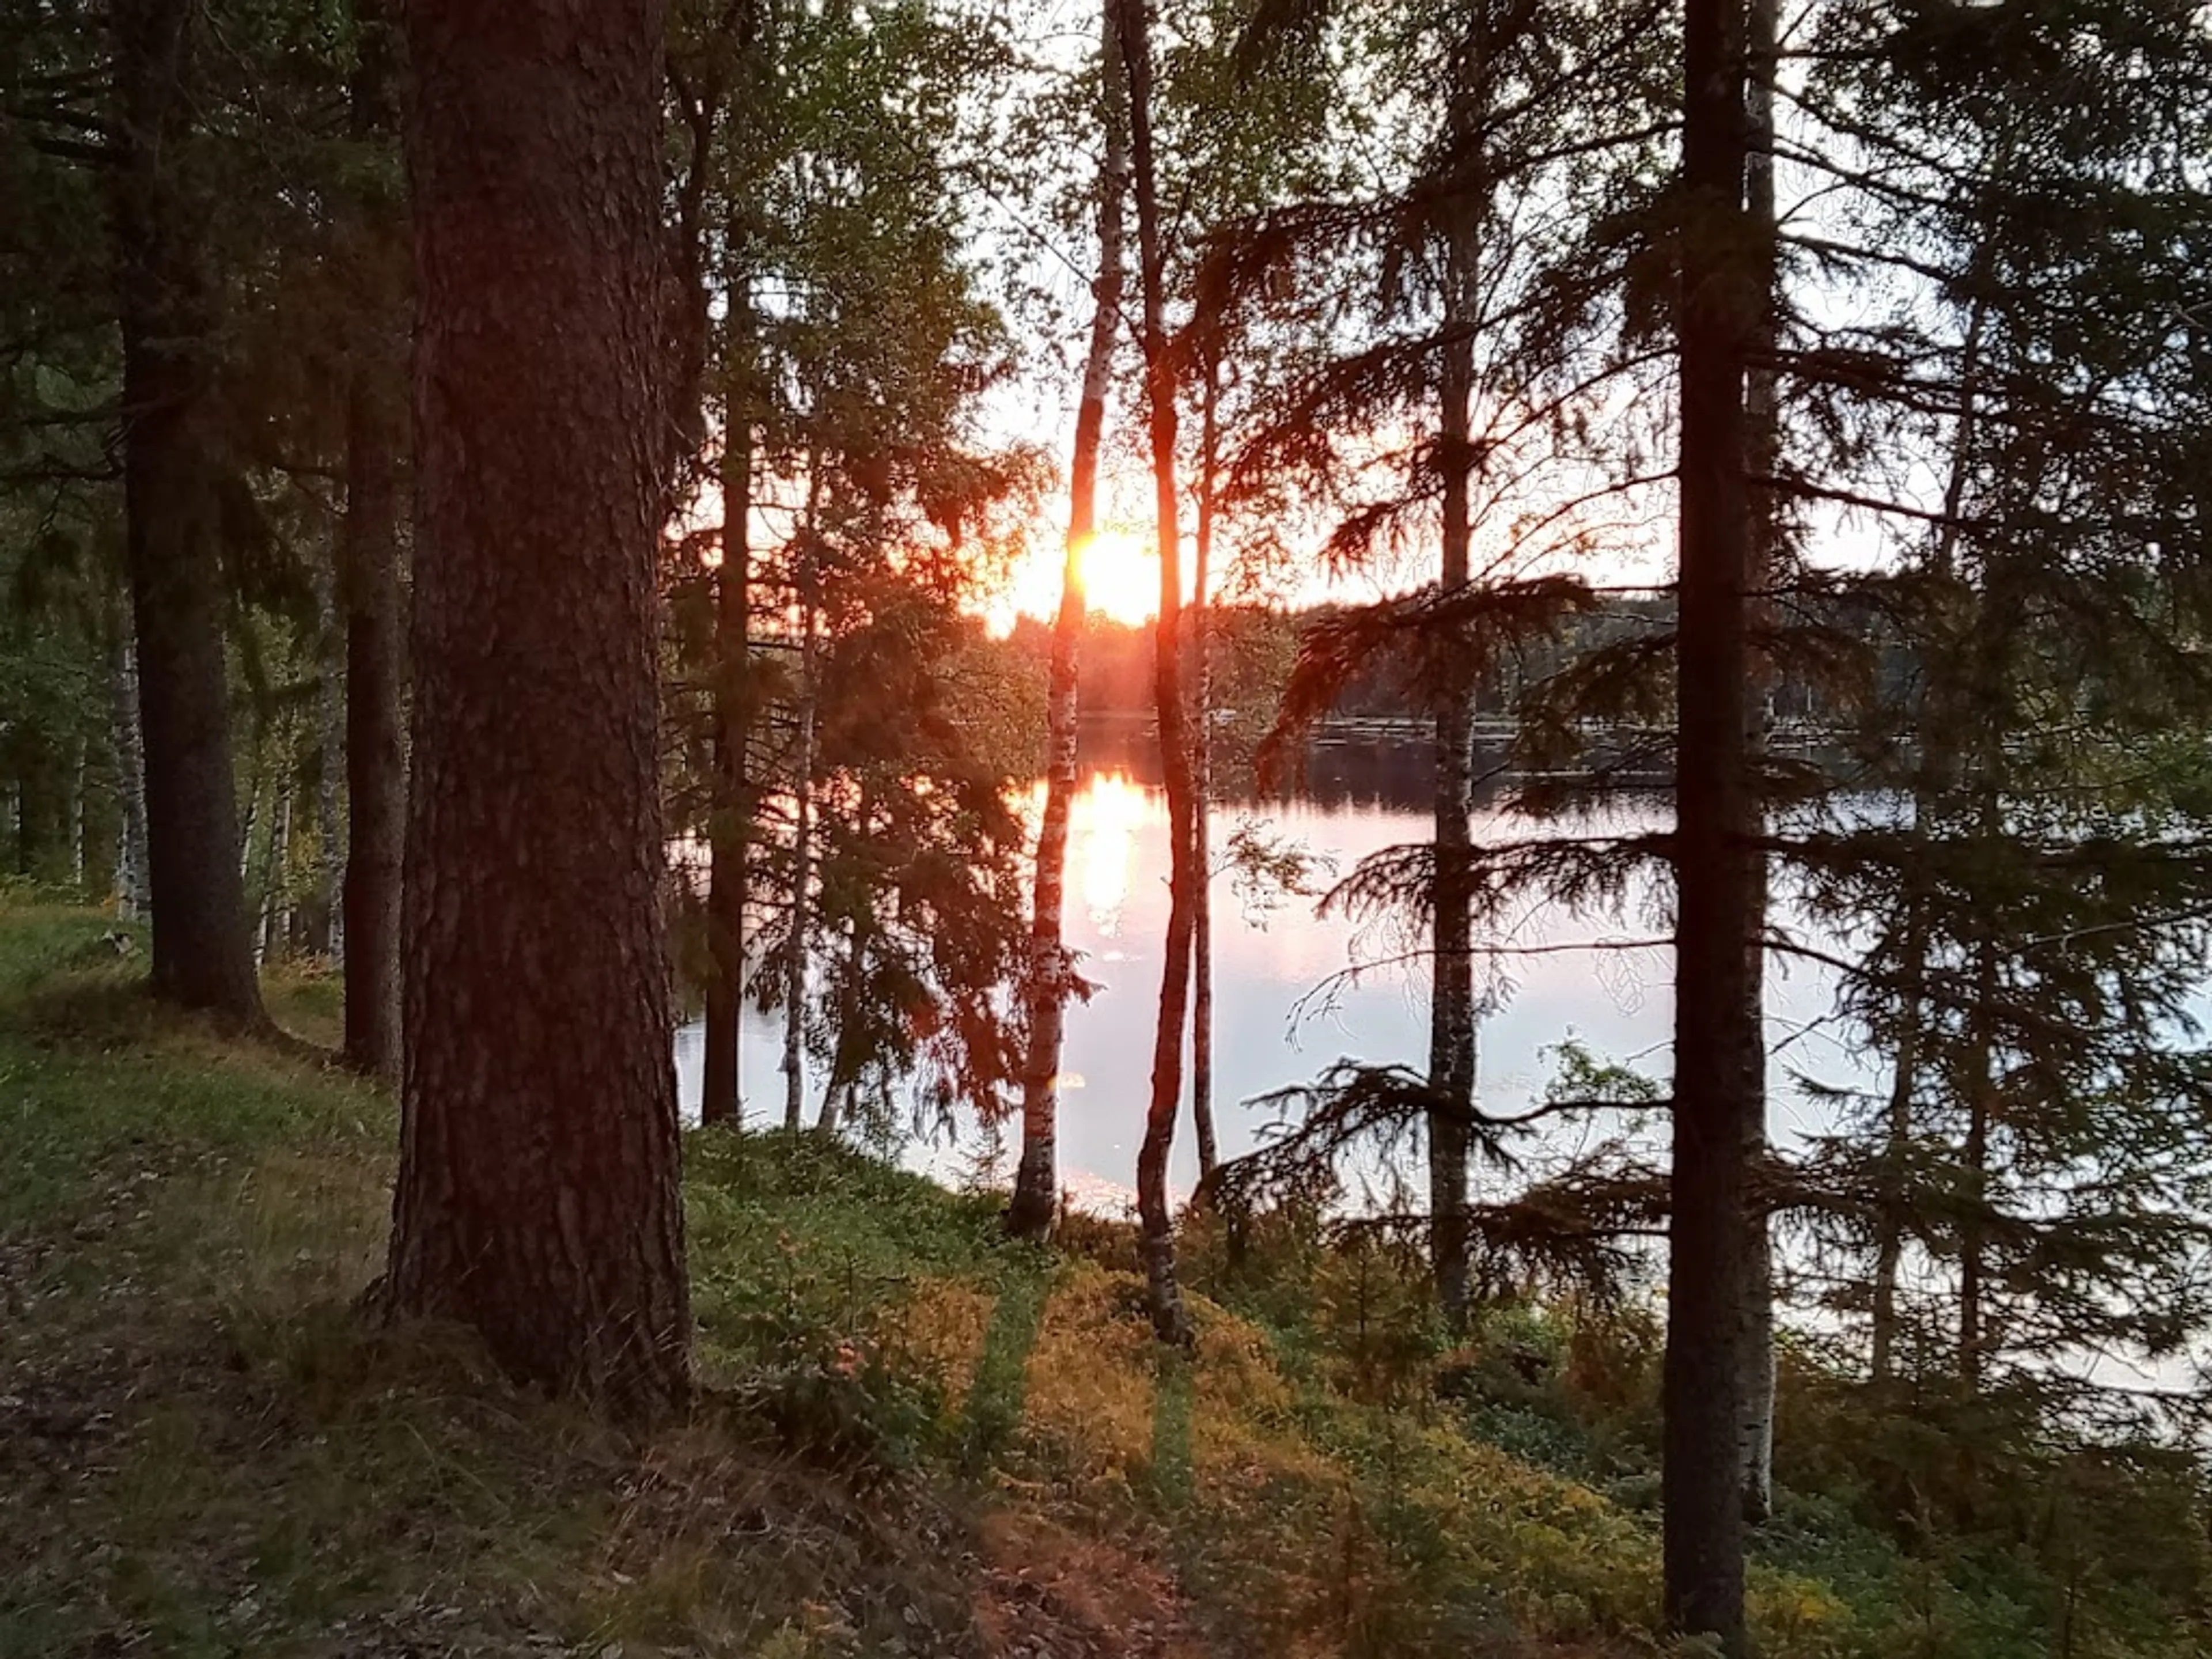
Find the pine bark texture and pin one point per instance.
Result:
(375, 623)
(1717, 921)
(1156, 1222)
(1036, 1202)
(538, 1194)
(203, 954)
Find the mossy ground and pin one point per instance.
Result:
(914, 1437)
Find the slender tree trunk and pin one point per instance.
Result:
(1763, 423)
(538, 1198)
(1939, 738)
(1718, 920)
(1450, 1123)
(130, 774)
(1156, 1222)
(837, 1094)
(1972, 1249)
(1202, 782)
(722, 1097)
(1035, 1200)
(78, 849)
(375, 616)
(1979, 1086)
(323, 931)
(1896, 1139)
(275, 863)
(802, 835)
(203, 945)
(257, 779)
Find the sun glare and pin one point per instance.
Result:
(1120, 576)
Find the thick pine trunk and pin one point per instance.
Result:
(538, 1197)
(1717, 922)
(376, 624)
(202, 942)
(1035, 1199)
(1156, 1222)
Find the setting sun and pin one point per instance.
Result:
(1120, 576)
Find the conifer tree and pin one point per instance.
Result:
(538, 1199)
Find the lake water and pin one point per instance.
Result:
(1284, 1009)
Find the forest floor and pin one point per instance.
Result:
(914, 1438)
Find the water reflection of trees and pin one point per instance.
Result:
(1366, 769)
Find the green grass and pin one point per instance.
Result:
(915, 1437)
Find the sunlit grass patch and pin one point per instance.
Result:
(901, 1410)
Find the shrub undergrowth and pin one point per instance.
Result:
(914, 1436)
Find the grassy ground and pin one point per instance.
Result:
(917, 1438)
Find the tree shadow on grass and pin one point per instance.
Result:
(998, 1395)
(1173, 1396)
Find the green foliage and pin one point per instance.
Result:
(805, 1249)
(1338, 1474)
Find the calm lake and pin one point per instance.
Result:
(1284, 1009)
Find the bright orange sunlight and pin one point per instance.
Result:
(1120, 576)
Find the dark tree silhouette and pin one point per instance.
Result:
(1717, 888)
(203, 950)
(376, 620)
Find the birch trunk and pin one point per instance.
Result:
(1156, 1222)
(276, 861)
(802, 835)
(130, 775)
(79, 861)
(325, 928)
(1036, 1202)
(1201, 783)
(1762, 418)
